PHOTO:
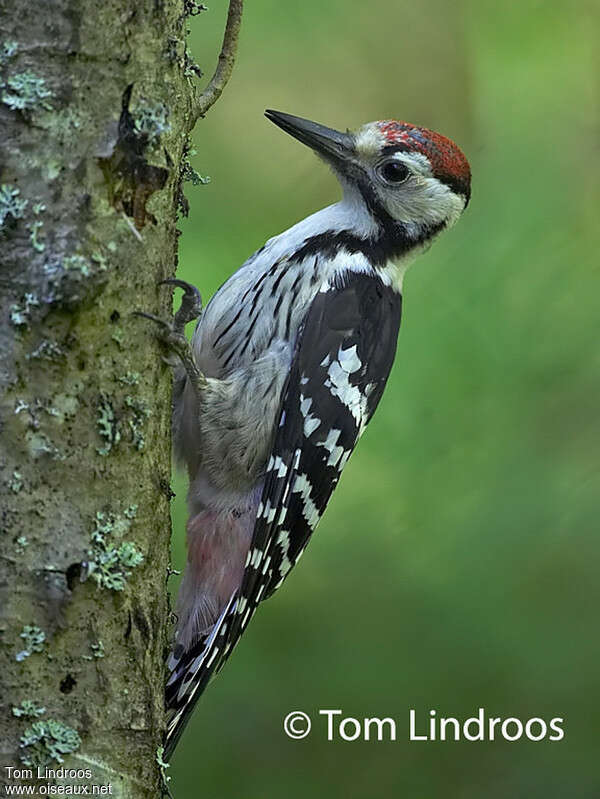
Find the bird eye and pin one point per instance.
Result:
(394, 171)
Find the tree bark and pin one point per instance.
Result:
(96, 104)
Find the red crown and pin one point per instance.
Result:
(447, 160)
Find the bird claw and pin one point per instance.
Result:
(172, 332)
(168, 334)
(153, 318)
(191, 303)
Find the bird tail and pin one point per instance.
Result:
(190, 672)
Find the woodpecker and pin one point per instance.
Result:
(286, 367)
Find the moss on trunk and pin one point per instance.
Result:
(96, 103)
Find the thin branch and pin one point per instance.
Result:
(226, 60)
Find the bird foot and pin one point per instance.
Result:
(172, 332)
(191, 303)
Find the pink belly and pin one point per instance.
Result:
(217, 548)
(218, 543)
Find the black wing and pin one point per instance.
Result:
(340, 367)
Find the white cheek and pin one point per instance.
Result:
(424, 201)
(455, 208)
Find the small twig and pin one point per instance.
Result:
(129, 224)
(213, 91)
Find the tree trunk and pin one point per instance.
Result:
(96, 104)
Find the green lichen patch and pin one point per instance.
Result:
(151, 121)
(190, 67)
(47, 741)
(130, 378)
(39, 446)
(97, 649)
(20, 313)
(47, 350)
(192, 9)
(100, 260)
(21, 544)
(73, 279)
(163, 766)
(52, 169)
(108, 426)
(66, 126)
(59, 407)
(188, 173)
(111, 559)
(126, 424)
(34, 639)
(11, 205)
(76, 276)
(118, 337)
(28, 709)
(139, 413)
(8, 50)
(15, 482)
(77, 265)
(25, 91)
(64, 406)
(21, 405)
(34, 235)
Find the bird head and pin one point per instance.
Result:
(411, 179)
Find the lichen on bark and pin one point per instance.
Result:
(96, 104)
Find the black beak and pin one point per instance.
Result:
(331, 144)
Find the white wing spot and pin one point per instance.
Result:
(284, 538)
(278, 466)
(212, 657)
(330, 442)
(305, 403)
(309, 510)
(351, 396)
(269, 512)
(349, 360)
(344, 459)
(311, 423)
(333, 448)
(266, 566)
(285, 566)
(284, 541)
(336, 457)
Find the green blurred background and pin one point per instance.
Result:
(457, 565)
